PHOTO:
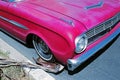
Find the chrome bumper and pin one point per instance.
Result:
(74, 63)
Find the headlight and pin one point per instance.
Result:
(81, 43)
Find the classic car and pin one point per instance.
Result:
(68, 31)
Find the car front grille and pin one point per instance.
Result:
(98, 31)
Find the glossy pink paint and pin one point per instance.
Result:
(57, 22)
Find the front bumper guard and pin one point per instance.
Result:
(72, 64)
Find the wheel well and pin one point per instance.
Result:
(29, 42)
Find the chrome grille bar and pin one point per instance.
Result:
(98, 31)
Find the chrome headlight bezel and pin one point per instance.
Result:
(81, 43)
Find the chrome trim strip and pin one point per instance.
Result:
(18, 24)
(3, 18)
(74, 63)
(14, 23)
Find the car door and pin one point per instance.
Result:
(4, 16)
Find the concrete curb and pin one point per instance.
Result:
(36, 74)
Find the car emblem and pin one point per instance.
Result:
(100, 4)
(70, 22)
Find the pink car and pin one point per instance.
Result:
(69, 31)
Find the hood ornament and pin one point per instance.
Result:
(100, 4)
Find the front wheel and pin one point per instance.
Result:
(42, 49)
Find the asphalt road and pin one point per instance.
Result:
(105, 65)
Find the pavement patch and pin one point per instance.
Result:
(36, 74)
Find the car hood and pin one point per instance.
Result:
(88, 12)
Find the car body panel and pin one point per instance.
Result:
(57, 22)
(77, 10)
(98, 45)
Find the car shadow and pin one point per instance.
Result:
(85, 64)
(14, 38)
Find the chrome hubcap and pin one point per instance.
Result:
(42, 49)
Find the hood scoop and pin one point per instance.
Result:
(100, 4)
